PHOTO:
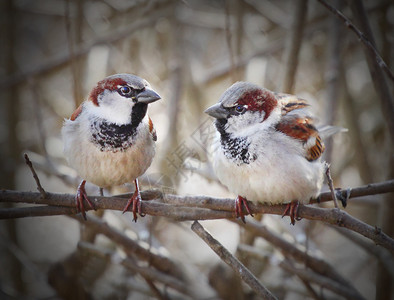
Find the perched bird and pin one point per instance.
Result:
(266, 148)
(109, 139)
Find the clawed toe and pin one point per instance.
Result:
(292, 210)
(135, 201)
(80, 197)
(239, 202)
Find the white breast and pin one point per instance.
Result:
(280, 173)
(106, 168)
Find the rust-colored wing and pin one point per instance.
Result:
(299, 126)
(76, 113)
(152, 130)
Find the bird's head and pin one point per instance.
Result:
(243, 106)
(121, 97)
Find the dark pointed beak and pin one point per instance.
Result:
(148, 96)
(217, 111)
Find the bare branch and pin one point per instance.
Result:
(321, 280)
(132, 247)
(294, 43)
(295, 252)
(146, 272)
(381, 254)
(65, 57)
(182, 208)
(39, 187)
(367, 43)
(331, 185)
(232, 261)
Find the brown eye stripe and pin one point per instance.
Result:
(105, 85)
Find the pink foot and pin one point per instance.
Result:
(292, 211)
(80, 197)
(239, 201)
(136, 201)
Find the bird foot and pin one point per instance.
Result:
(135, 201)
(292, 210)
(239, 201)
(80, 197)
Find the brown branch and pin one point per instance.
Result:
(381, 254)
(331, 185)
(232, 261)
(288, 249)
(146, 272)
(35, 211)
(294, 44)
(182, 208)
(321, 280)
(253, 252)
(132, 247)
(366, 42)
(39, 187)
(65, 57)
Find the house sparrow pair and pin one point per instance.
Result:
(267, 148)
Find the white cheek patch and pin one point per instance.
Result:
(113, 107)
(237, 124)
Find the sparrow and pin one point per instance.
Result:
(109, 139)
(267, 148)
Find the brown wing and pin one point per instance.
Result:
(300, 128)
(76, 113)
(290, 102)
(152, 130)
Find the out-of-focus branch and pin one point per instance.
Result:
(375, 62)
(321, 280)
(365, 40)
(132, 247)
(293, 251)
(294, 43)
(64, 58)
(250, 252)
(232, 261)
(384, 257)
(146, 272)
(332, 76)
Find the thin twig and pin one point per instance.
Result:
(331, 185)
(132, 247)
(232, 261)
(381, 254)
(294, 251)
(321, 280)
(361, 36)
(146, 272)
(39, 187)
(293, 45)
(253, 252)
(64, 58)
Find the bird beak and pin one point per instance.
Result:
(217, 111)
(148, 96)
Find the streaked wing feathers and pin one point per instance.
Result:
(299, 126)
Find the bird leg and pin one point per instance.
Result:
(292, 210)
(136, 201)
(238, 208)
(81, 195)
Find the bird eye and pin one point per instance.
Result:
(125, 90)
(240, 109)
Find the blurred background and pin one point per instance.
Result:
(54, 51)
